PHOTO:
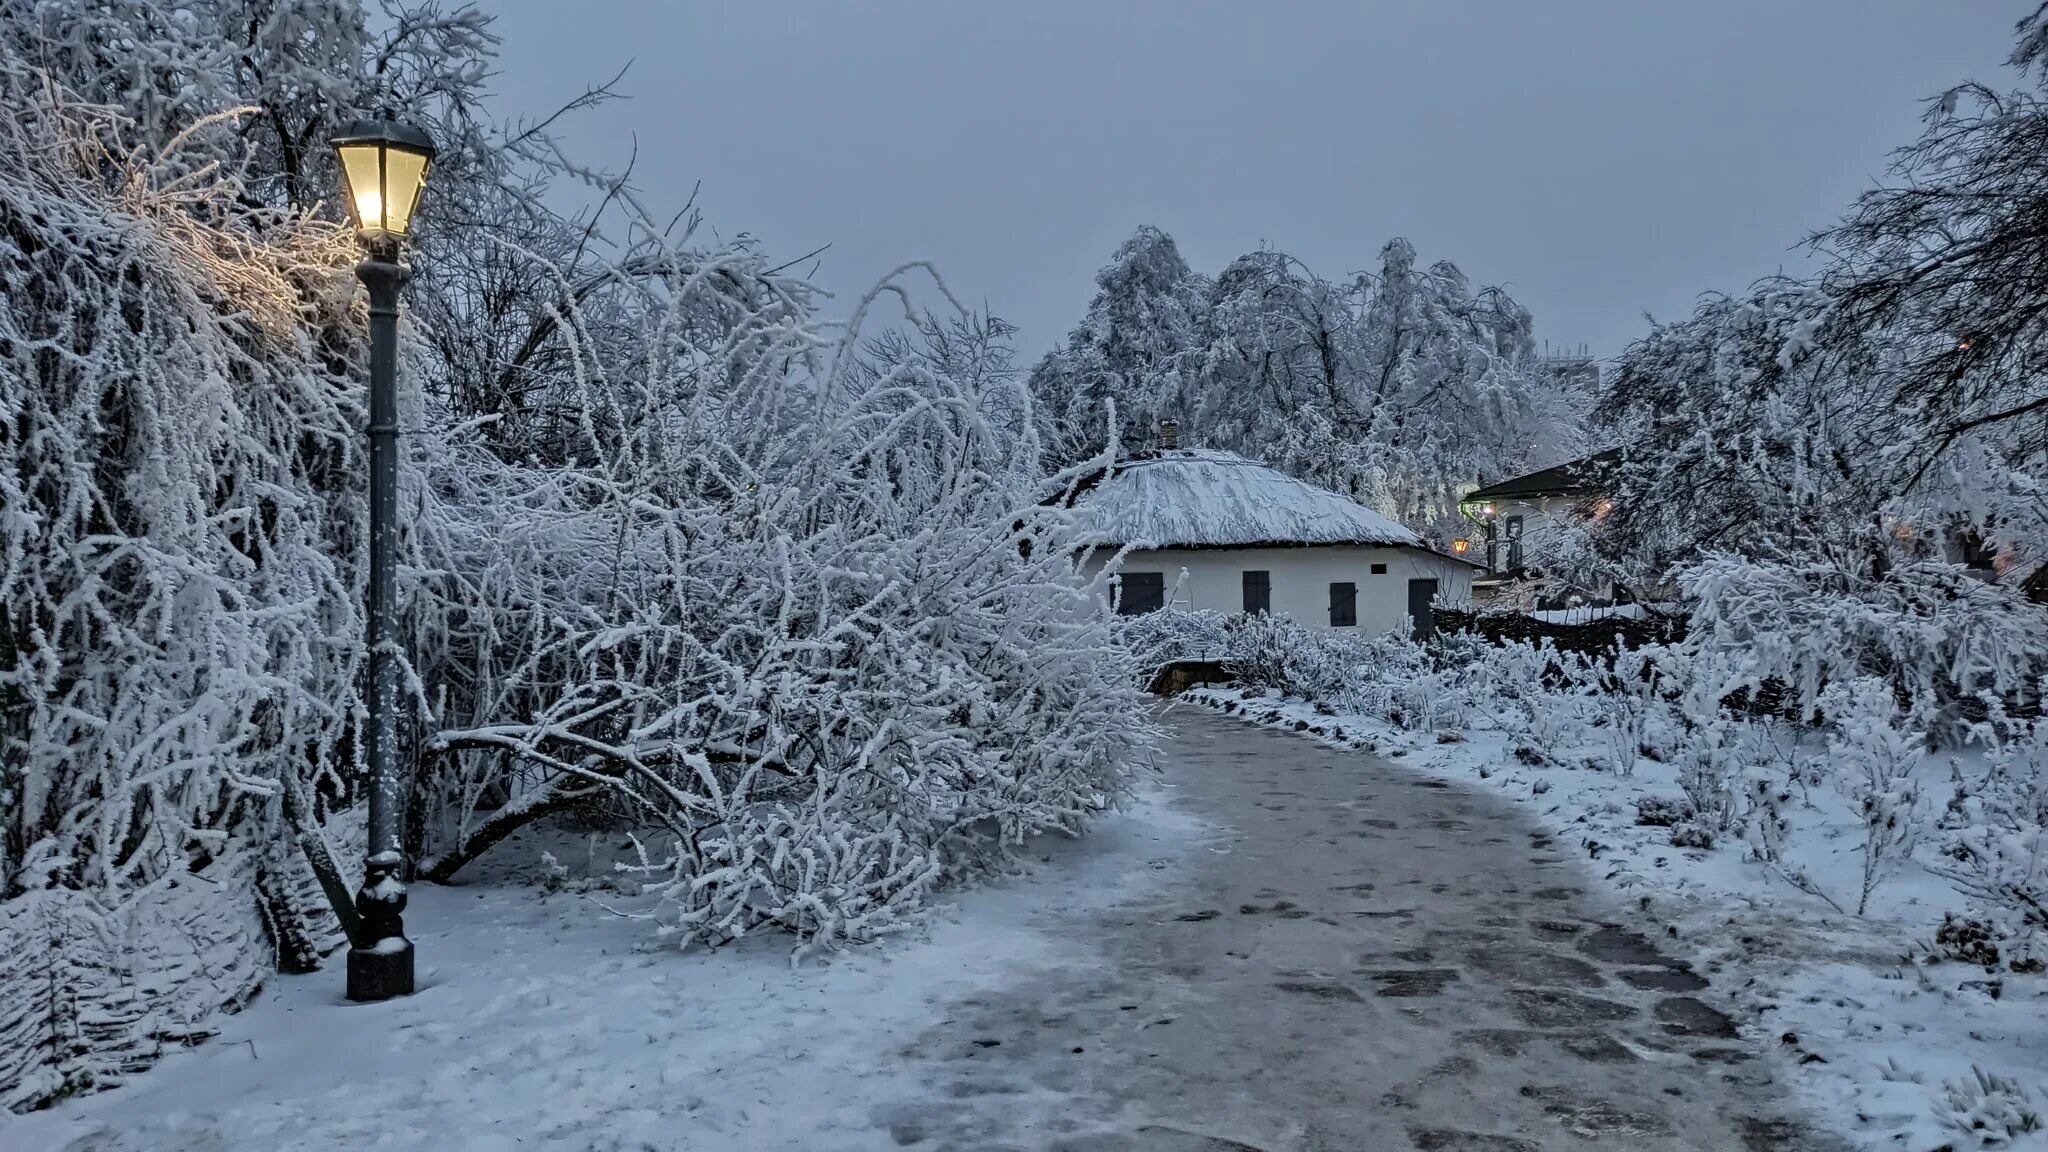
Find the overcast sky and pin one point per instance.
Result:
(1599, 158)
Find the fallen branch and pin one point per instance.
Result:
(501, 824)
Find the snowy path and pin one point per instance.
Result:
(1350, 957)
(1366, 959)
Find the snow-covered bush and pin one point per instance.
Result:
(1709, 767)
(1994, 1110)
(1765, 823)
(1274, 652)
(823, 631)
(1158, 637)
(1538, 693)
(1632, 693)
(1996, 850)
(1390, 677)
(1932, 631)
(1432, 698)
(1875, 760)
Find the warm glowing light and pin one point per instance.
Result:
(385, 166)
(1487, 510)
(1604, 508)
(1461, 546)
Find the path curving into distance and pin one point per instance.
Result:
(1361, 958)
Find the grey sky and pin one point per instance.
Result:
(1597, 158)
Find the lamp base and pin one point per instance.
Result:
(381, 971)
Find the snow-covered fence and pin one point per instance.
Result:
(91, 992)
(1594, 636)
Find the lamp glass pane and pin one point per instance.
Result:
(405, 173)
(365, 185)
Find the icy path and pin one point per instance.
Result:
(1348, 957)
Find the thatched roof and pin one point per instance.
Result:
(1202, 498)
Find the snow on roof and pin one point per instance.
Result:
(1202, 498)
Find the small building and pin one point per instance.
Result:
(1210, 530)
(1522, 517)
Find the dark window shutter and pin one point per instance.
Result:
(1379, 569)
(1343, 605)
(1140, 592)
(1258, 592)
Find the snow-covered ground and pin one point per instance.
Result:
(1879, 1038)
(548, 1020)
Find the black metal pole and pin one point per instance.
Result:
(380, 961)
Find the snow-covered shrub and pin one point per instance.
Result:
(1572, 707)
(1275, 652)
(1158, 637)
(832, 640)
(1996, 850)
(1662, 811)
(1764, 821)
(1389, 677)
(1778, 749)
(1632, 693)
(1875, 757)
(1995, 1110)
(1709, 769)
(1538, 694)
(1432, 698)
(1931, 630)
(1511, 673)
(1967, 940)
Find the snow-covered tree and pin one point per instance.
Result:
(1275, 377)
(1848, 474)
(1739, 429)
(1129, 350)
(1448, 375)
(1395, 388)
(1939, 262)
(1897, 395)
(780, 588)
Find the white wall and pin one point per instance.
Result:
(1542, 519)
(1301, 579)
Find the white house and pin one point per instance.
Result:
(1523, 518)
(1211, 530)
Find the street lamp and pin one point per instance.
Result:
(385, 166)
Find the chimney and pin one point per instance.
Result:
(1169, 434)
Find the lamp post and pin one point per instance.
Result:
(385, 166)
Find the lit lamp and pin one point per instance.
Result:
(1461, 546)
(384, 164)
